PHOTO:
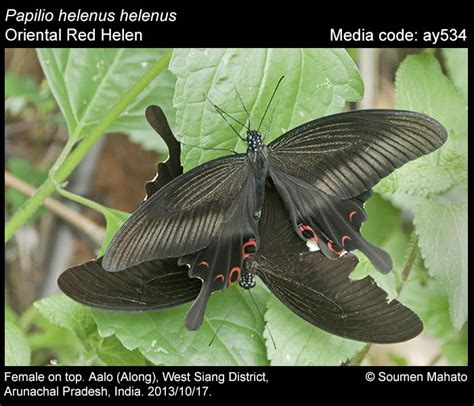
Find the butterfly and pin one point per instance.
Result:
(322, 170)
(244, 243)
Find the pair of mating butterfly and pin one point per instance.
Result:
(289, 212)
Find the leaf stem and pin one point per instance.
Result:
(70, 162)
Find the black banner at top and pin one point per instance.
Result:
(173, 25)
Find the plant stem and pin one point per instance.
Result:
(412, 257)
(90, 228)
(70, 162)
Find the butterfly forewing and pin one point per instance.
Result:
(181, 218)
(345, 154)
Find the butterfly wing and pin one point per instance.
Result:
(219, 265)
(180, 218)
(171, 168)
(345, 154)
(319, 289)
(152, 285)
(331, 223)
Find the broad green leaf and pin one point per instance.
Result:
(427, 298)
(382, 215)
(442, 232)
(300, 343)
(66, 313)
(50, 343)
(87, 82)
(112, 352)
(317, 82)
(455, 349)
(421, 86)
(163, 339)
(456, 63)
(17, 350)
(149, 141)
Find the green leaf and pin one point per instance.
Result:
(427, 298)
(17, 350)
(149, 141)
(300, 343)
(87, 82)
(382, 215)
(112, 352)
(68, 314)
(50, 343)
(10, 315)
(455, 349)
(317, 82)
(421, 86)
(163, 339)
(442, 232)
(456, 63)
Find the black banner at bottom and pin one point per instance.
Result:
(217, 382)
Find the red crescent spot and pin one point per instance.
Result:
(329, 244)
(309, 228)
(232, 271)
(252, 243)
(203, 263)
(351, 214)
(220, 276)
(344, 238)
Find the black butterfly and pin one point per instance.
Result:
(213, 212)
(323, 171)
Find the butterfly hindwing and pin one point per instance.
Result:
(171, 168)
(333, 224)
(345, 154)
(152, 285)
(319, 290)
(219, 265)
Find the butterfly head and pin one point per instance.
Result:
(254, 141)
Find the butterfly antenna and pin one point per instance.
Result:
(224, 114)
(261, 315)
(222, 323)
(270, 102)
(270, 126)
(210, 149)
(245, 108)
